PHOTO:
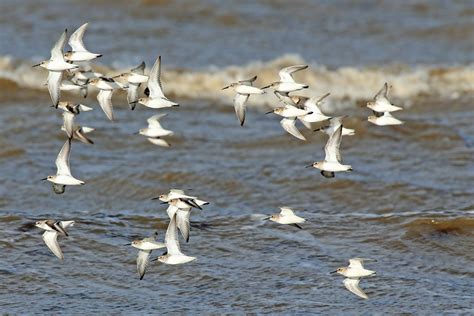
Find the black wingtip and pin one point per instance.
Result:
(296, 225)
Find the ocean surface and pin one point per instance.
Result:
(408, 203)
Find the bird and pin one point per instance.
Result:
(156, 98)
(56, 65)
(243, 90)
(287, 217)
(353, 273)
(334, 124)
(154, 128)
(312, 105)
(383, 119)
(82, 77)
(333, 161)
(145, 247)
(70, 111)
(182, 213)
(287, 84)
(173, 255)
(135, 77)
(381, 103)
(107, 86)
(52, 230)
(290, 114)
(79, 51)
(63, 176)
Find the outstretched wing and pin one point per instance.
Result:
(383, 93)
(288, 125)
(57, 50)
(154, 80)
(75, 41)
(142, 262)
(50, 238)
(332, 146)
(154, 121)
(68, 121)
(171, 238)
(248, 81)
(353, 286)
(62, 161)
(239, 106)
(286, 211)
(140, 69)
(286, 74)
(105, 101)
(54, 86)
(182, 221)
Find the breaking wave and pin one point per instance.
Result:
(347, 85)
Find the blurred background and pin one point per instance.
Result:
(407, 204)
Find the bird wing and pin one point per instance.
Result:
(239, 106)
(57, 50)
(312, 105)
(286, 211)
(105, 101)
(62, 161)
(171, 211)
(132, 95)
(68, 119)
(288, 125)
(142, 262)
(154, 121)
(54, 86)
(75, 40)
(50, 238)
(353, 286)
(154, 80)
(332, 146)
(248, 81)
(80, 135)
(140, 69)
(286, 73)
(357, 262)
(171, 238)
(182, 220)
(383, 93)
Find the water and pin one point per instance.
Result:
(407, 204)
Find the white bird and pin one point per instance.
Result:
(383, 119)
(353, 273)
(156, 98)
(333, 161)
(334, 124)
(287, 217)
(183, 213)
(63, 175)
(243, 90)
(82, 77)
(312, 105)
(381, 103)
(79, 51)
(50, 236)
(56, 65)
(107, 87)
(287, 84)
(173, 254)
(290, 114)
(154, 128)
(70, 111)
(145, 247)
(135, 78)
(159, 141)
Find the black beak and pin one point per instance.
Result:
(164, 202)
(266, 218)
(156, 198)
(129, 244)
(316, 130)
(36, 65)
(266, 87)
(332, 272)
(133, 102)
(44, 179)
(225, 88)
(269, 112)
(309, 166)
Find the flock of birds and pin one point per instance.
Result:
(72, 71)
